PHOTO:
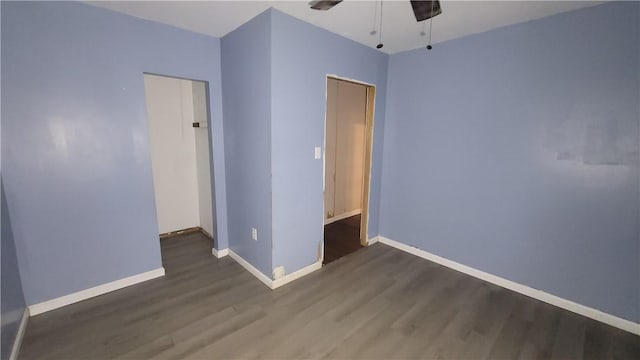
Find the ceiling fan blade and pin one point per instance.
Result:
(423, 9)
(323, 4)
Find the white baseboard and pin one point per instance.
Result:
(296, 274)
(17, 342)
(583, 310)
(274, 284)
(342, 216)
(373, 240)
(250, 268)
(52, 304)
(219, 253)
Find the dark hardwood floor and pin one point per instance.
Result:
(376, 303)
(341, 238)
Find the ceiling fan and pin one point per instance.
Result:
(422, 9)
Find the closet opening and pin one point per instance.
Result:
(347, 166)
(180, 143)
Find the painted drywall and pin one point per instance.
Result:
(344, 148)
(516, 152)
(12, 298)
(75, 137)
(301, 57)
(172, 140)
(203, 160)
(246, 59)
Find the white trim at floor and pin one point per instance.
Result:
(250, 268)
(343, 216)
(17, 342)
(296, 274)
(52, 304)
(583, 310)
(274, 284)
(373, 240)
(219, 253)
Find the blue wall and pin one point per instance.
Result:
(302, 56)
(12, 299)
(75, 148)
(246, 62)
(516, 152)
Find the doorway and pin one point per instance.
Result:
(347, 166)
(178, 122)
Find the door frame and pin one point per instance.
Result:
(368, 154)
(209, 129)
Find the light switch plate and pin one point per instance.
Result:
(254, 234)
(318, 154)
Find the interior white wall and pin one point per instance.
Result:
(173, 152)
(203, 169)
(345, 137)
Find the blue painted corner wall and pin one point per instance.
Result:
(246, 77)
(274, 81)
(75, 149)
(516, 152)
(302, 57)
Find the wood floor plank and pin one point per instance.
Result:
(374, 303)
(541, 335)
(569, 341)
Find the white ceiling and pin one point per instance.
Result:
(352, 19)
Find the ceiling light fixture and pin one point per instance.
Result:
(380, 45)
(429, 47)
